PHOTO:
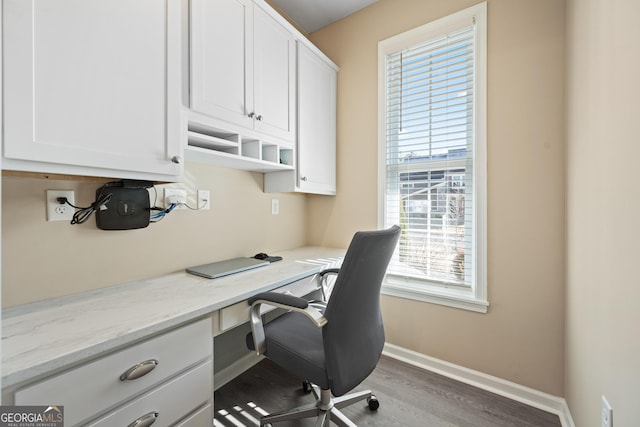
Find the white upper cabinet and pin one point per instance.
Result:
(93, 88)
(317, 123)
(222, 59)
(242, 68)
(316, 133)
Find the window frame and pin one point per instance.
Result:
(472, 298)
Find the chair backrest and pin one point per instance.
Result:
(354, 334)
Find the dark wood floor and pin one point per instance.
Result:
(408, 397)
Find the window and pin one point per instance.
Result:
(432, 138)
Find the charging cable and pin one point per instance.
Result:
(81, 214)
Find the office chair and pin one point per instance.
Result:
(334, 349)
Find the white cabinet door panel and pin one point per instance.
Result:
(274, 77)
(316, 128)
(221, 54)
(93, 83)
(317, 124)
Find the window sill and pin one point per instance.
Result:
(457, 298)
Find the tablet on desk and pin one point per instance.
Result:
(226, 267)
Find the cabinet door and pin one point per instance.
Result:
(93, 84)
(316, 124)
(274, 77)
(222, 59)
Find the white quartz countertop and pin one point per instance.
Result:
(43, 337)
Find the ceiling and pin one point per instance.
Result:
(311, 15)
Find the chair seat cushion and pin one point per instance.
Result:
(295, 343)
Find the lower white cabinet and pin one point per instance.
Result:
(166, 403)
(201, 417)
(170, 375)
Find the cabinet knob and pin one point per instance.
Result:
(139, 370)
(176, 159)
(251, 114)
(145, 420)
(259, 118)
(303, 178)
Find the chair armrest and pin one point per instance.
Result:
(329, 271)
(279, 298)
(323, 281)
(287, 302)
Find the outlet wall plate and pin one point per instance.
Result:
(204, 200)
(175, 195)
(57, 211)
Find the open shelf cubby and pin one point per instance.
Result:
(233, 149)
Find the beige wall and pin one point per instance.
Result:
(43, 259)
(522, 337)
(603, 201)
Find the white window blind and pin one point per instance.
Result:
(433, 160)
(429, 189)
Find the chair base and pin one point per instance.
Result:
(326, 409)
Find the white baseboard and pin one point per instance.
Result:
(547, 402)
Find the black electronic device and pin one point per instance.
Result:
(128, 207)
(264, 257)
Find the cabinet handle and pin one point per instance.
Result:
(145, 420)
(139, 370)
(176, 159)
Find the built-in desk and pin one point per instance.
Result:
(51, 339)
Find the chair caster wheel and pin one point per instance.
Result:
(306, 387)
(373, 403)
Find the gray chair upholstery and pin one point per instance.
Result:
(334, 349)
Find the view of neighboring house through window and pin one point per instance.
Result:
(433, 147)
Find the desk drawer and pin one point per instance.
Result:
(237, 314)
(95, 387)
(171, 401)
(202, 417)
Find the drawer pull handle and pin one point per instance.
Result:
(139, 370)
(145, 420)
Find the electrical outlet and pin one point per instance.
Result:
(275, 206)
(57, 211)
(607, 413)
(173, 195)
(204, 200)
